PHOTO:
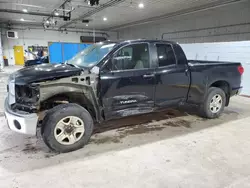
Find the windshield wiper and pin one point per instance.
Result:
(73, 65)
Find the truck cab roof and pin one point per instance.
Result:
(138, 41)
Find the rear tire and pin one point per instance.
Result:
(214, 103)
(67, 127)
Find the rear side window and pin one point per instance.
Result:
(181, 57)
(165, 55)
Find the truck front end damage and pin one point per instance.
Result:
(20, 111)
(26, 104)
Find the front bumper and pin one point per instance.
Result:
(21, 122)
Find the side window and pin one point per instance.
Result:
(165, 55)
(126, 52)
(135, 56)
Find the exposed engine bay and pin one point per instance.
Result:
(42, 96)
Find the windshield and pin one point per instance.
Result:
(91, 55)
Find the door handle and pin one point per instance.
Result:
(148, 75)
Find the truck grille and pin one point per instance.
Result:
(11, 92)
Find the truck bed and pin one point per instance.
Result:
(204, 62)
(210, 72)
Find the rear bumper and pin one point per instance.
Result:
(21, 122)
(236, 91)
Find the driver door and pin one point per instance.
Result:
(127, 88)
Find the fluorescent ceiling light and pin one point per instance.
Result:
(25, 10)
(22, 19)
(105, 19)
(141, 5)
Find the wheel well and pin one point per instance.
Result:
(225, 87)
(77, 98)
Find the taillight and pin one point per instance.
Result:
(241, 69)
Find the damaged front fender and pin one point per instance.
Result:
(85, 85)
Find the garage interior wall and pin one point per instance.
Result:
(1, 53)
(40, 37)
(227, 23)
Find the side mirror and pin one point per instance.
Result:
(95, 70)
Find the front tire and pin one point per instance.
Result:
(214, 103)
(67, 127)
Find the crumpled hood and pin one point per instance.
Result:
(43, 72)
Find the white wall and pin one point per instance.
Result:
(223, 51)
(38, 37)
(1, 54)
(235, 15)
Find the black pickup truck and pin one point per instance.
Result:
(111, 80)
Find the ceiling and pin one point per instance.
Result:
(118, 12)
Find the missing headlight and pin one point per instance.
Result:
(27, 94)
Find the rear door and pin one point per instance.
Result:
(127, 82)
(172, 77)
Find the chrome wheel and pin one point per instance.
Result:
(216, 103)
(69, 130)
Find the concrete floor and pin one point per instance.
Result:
(167, 149)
